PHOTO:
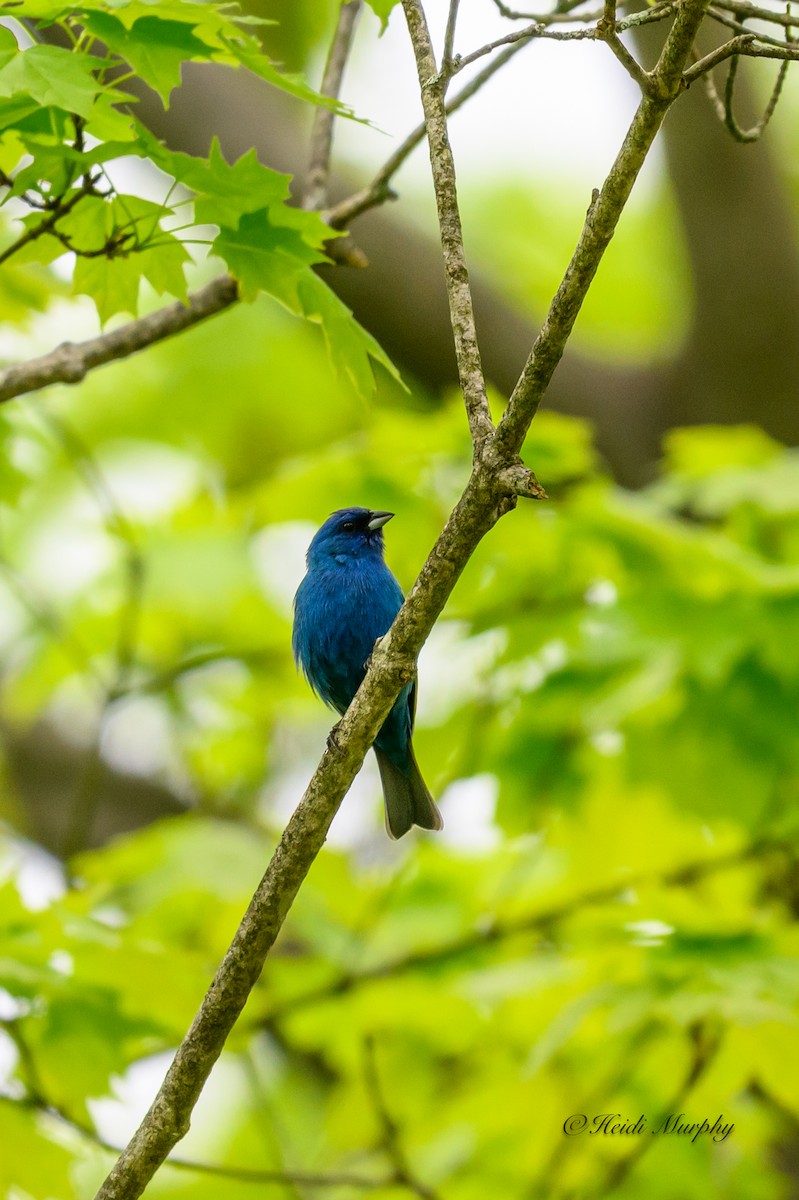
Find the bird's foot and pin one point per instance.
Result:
(332, 737)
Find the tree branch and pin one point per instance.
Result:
(497, 478)
(316, 186)
(716, 57)
(717, 13)
(537, 30)
(378, 191)
(310, 1179)
(755, 131)
(606, 30)
(748, 11)
(449, 35)
(392, 665)
(542, 920)
(70, 363)
(88, 786)
(563, 12)
(461, 311)
(600, 224)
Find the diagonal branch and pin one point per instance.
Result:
(378, 191)
(314, 1180)
(70, 363)
(600, 224)
(705, 1043)
(606, 30)
(392, 665)
(442, 164)
(716, 57)
(497, 478)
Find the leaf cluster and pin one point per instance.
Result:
(68, 127)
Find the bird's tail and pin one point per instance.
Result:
(408, 802)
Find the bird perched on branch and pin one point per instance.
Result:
(347, 600)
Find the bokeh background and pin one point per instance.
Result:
(608, 708)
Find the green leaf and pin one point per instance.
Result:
(224, 191)
(276, 258)
(107, 123)
(8, 46)
(251, 57)
(265, 256)
(163, 265)
(13, 111)
(112, 283)
(53, 77)
(155, 48)
(382, 9)
(89, 224)
(352, 350)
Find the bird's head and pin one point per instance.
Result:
(349, 533)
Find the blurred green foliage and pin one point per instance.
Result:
(639, 306)
(619, 670)
(608, 708)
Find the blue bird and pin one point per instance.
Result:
(347, 600)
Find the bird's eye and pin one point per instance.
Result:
(348, 526)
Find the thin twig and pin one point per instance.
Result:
(774, 51)
(449, 36)
(316, 187)
(601, 220)
(442, 164)
(755, 132)
(718, 15)
(606, 30)
(629, 1059)
(537, 30)
(378, 191)
(502, 930)
(309, 1179)
(117, 526)
(628, 61)
(563, 12)
(716, 57)
(658, 12)
(163, 681)
(390, 1140)
(744, 9)
(45, 226)
(50, 622)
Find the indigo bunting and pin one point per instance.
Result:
(347, 601)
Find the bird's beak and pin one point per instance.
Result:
(378, 519)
